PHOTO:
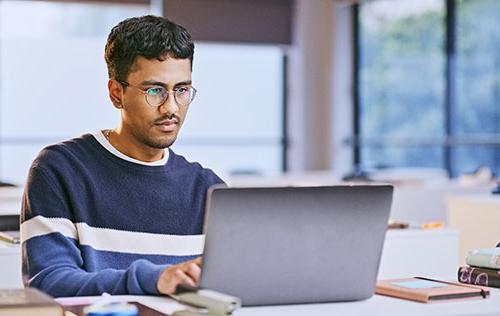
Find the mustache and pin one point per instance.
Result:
(168, 117)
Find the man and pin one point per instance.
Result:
(117, 211)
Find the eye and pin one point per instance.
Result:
(181, 90)
(154, 91)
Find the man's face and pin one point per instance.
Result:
(155, 127)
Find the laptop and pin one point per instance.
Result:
(293, 245)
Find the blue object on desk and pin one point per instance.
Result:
(496, 190)
(419, 284)
(111, 309)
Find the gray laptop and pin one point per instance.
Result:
(290, 245)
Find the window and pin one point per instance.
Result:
(428, 84)
(401, 85)
(477, 118)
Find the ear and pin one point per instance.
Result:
(115, 93)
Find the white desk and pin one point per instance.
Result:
(430, 253)
(377, 305)
(427, 202)
(10, 264)
(10, 255)
(10, 200)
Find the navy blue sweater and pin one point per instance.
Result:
(92, 222)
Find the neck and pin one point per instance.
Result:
(128, 145)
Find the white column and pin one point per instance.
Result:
(320, 100)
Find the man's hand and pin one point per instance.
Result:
(183, 273)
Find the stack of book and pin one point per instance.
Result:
(28, 302)
(483, 267)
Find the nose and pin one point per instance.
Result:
(169, 107)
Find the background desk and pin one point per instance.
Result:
(377, 305)
(10, 255)
(477, 216)
(10, 266)
(417, 252)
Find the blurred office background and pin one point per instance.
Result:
(284, 86)
(293, 91)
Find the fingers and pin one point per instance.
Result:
(171, 278)
(197, 261)
(193, 271)
(184, 273)
(182, 277)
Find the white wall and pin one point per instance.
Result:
(53, 81)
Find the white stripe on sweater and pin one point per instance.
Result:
(39, 226)
(106, 239)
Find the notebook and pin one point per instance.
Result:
(286, 245)
(429, 290)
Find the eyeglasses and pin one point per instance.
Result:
(156, 96)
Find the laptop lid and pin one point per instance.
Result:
(287, 245)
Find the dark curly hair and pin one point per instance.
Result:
(148, 36)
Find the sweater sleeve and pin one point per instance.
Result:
(51, 257)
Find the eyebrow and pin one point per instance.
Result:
(162, 84)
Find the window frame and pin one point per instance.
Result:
(451, 139)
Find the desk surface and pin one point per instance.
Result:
(377, 305)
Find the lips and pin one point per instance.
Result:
(167, 125)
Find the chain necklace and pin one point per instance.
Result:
(107, 132)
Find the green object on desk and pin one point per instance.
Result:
(484, 258)
(205, 302)
(419, 284)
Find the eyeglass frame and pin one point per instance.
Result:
(145, 92)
